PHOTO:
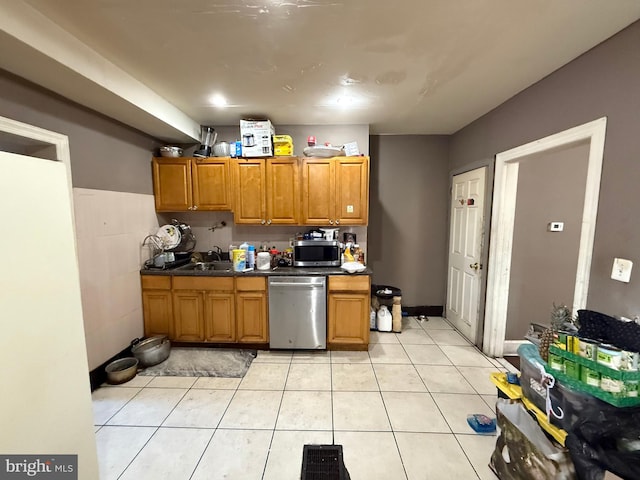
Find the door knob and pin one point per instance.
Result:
(476, 266)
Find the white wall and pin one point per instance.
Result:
(110, 228)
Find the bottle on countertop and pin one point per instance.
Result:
(251, 257)
(348, 256)
(358, 254)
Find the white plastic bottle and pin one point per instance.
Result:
(384, 319)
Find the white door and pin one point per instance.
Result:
(465, 246)
(43, 359)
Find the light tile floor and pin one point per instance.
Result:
(399, 411)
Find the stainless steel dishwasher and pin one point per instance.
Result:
(298, 312)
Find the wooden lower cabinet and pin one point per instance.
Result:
(348, 315)
(203, 309)
(206, 309)
(157, 307)
(234, 309)
(220, 316)
(188, 316)
(251, 310)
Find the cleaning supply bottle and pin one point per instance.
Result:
(251, 257)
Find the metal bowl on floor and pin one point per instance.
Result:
(152, 350)
(121, 370)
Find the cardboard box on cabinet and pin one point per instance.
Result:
(257, 138)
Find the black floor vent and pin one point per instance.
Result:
(323, 462)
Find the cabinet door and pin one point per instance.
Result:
(251, 317)
(352, 190)
(219, 317)
(348, 319)
(157, 311)
(188, 316)
(211, 184)
(249, 185)
(283, 193)
(172, 184)
(318, 190)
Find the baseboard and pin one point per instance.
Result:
(428, 310)
(511, 347)
(98, 375)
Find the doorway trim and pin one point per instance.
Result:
(502, 225)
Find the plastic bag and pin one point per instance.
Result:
(606, 438)
(523, 452)
(598, 326)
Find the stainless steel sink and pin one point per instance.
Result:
(217, 265)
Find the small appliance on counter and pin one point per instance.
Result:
(316, 253)
(208, 137)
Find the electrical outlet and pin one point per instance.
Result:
(621, 270)
(555, 226)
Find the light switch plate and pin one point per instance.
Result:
(621, 270)
(555, 226)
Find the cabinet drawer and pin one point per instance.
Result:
(251, 284)
(344, 283)
(156, 282)
(203, 283)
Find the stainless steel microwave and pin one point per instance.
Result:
(316, 253)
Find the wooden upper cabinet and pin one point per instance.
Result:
(211, 185)
(249, 184)
(182, 184)
(267, 191)
(352, 190)
(318, 189)
(283, 191)
(335, 191)
(172, 184)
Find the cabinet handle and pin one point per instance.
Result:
(195, 207)
(330, 222)
(190, 208)
(337, 222)
(262, 222)
(269, 222)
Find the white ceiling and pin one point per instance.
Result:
(408, 66)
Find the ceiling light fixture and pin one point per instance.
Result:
(218, 101)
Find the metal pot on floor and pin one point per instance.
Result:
(151, 351)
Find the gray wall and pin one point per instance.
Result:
(551, 188)
(408, 204)
(337, 135)
(602, 82)
(105, 155)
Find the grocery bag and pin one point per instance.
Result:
(523, 452)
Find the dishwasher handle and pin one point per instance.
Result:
(296, 284)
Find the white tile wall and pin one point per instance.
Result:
(110, 228)
(236, 234)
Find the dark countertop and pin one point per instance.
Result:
(319, 271)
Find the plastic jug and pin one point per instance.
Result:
(384, 319)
